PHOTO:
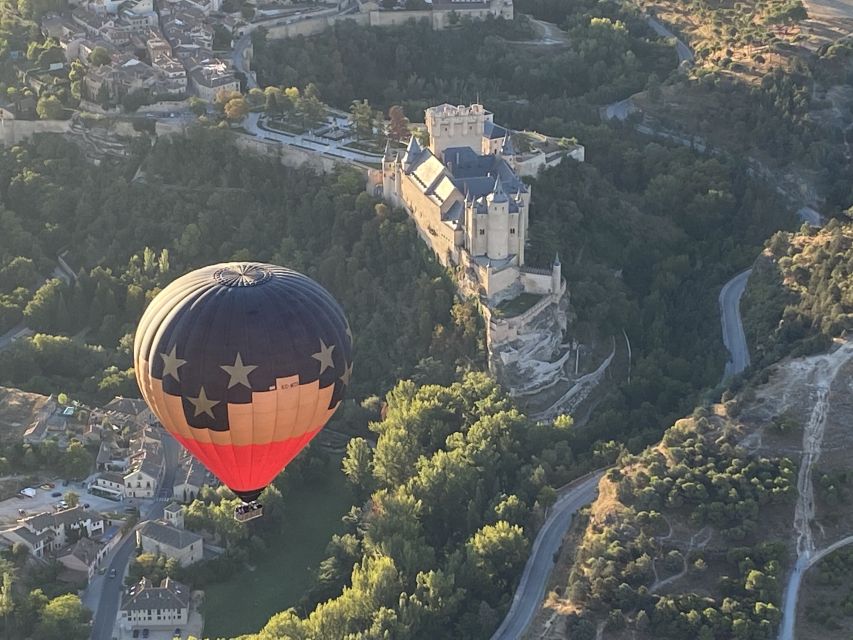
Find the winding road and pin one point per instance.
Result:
(531, 589)
(733, 335)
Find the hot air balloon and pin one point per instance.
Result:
(243, 363)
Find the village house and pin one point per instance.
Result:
(47, 532)
(210, 77)
(143, 476)
(189, 479)
(109, 484)
(171, 540)
(145, 605)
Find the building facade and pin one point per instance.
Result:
(146, 605)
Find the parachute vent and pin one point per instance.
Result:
(242, 275)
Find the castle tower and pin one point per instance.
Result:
(389, 174)
(497, 235)
(556, 275)
(173, 513)
(459, 126)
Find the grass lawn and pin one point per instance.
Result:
(245, 603)
(517, 306)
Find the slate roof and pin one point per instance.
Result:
(66, 517)
(29, 536)
(130, 406)
(172, 507)
(169, 535)
(169, 595)
(111, 476)
(493, 131)
(85, 550)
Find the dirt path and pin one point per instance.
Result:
(824, 369)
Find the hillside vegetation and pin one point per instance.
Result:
(694, 512)
(800, 294)
(203, 202)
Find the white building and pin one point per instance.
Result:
(147, 606)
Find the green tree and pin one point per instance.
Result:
(99, 57)
(236, 109)
(49, 108)
(7, 601)
(72, 498)
(358, 466)
(63, 618)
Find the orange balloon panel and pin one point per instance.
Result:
(243, 364)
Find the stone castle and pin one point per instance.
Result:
(469, 203)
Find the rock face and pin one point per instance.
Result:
(529, 356)
(532, 356)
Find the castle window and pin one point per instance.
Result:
(512, 232)
(482, 232)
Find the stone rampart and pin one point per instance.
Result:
(14, 131)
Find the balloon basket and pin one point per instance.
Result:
(249, 511)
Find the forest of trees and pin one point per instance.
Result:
(800, 294)
(648, 233)
(453, 493)
(700, 479)
(204, 202)
(610, 54)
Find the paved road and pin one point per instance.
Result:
(733, 335)
(531, 590)
(683, 51)
(108, 589)
(104, 593)
(18, 331)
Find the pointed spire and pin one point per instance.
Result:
(557, 259)
(498, 194)
(387, 149)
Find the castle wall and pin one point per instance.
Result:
(427, 215)
(537, 282)
(312, 26)
(14, 131)
(500, 330)
(499, 281)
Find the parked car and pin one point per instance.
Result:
(177, 633)
(46, 486)
(112, 573)
(86, 505)
(56, 494)
(22, 512)
(65, 483)
(102, 571)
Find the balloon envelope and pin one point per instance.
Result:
(243, 363)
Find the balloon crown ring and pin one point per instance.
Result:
(242, 275)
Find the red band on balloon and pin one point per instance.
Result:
(246, 467)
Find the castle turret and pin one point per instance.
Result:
(498, 222)
(389, 174)
(556, 275)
